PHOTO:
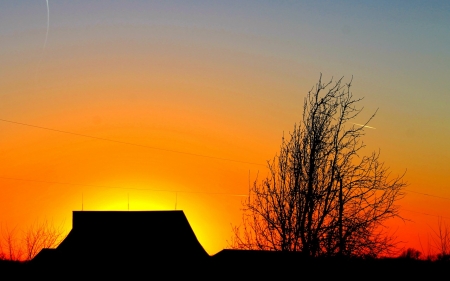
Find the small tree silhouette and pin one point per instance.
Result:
(10, 246)
(411, 253)
(321, 196)
(36, 237)
(441, 240)
(41, 235)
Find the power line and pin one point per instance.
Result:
(191, 192)
(129, 188)
(427, 194)
(165, 190)
(156, 148)
(130, 143)
(425, 214)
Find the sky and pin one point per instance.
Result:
(183, 87)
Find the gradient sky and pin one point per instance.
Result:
(222, 79)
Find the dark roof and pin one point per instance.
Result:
(128, 236)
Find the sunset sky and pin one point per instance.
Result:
(185, 86)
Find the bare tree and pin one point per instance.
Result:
(36, 237)
(411, 253)
(41, 235)
(441, 240)
(10, 245)
(321, 196)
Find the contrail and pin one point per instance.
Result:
(365, 126)
(48, 24)
(45, 43)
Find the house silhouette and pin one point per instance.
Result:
(125, 238)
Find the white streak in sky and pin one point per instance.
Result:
(48, 25)
(365, 126)
(45, 42)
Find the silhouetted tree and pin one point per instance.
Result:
(41, 235)
(36, 237)
(10, 246)
(441, 240)
(321, 196)
(411, 253)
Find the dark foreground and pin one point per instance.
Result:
(235, 265)
(161, 245)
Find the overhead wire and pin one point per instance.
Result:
(128, 188)
(166, 190)
(133, 144)
(167, 150)
(426, 214)
(427, 194)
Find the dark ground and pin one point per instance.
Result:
(160, 245)
(235, 265)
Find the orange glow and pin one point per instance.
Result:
(205, 84)
(67, 172)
